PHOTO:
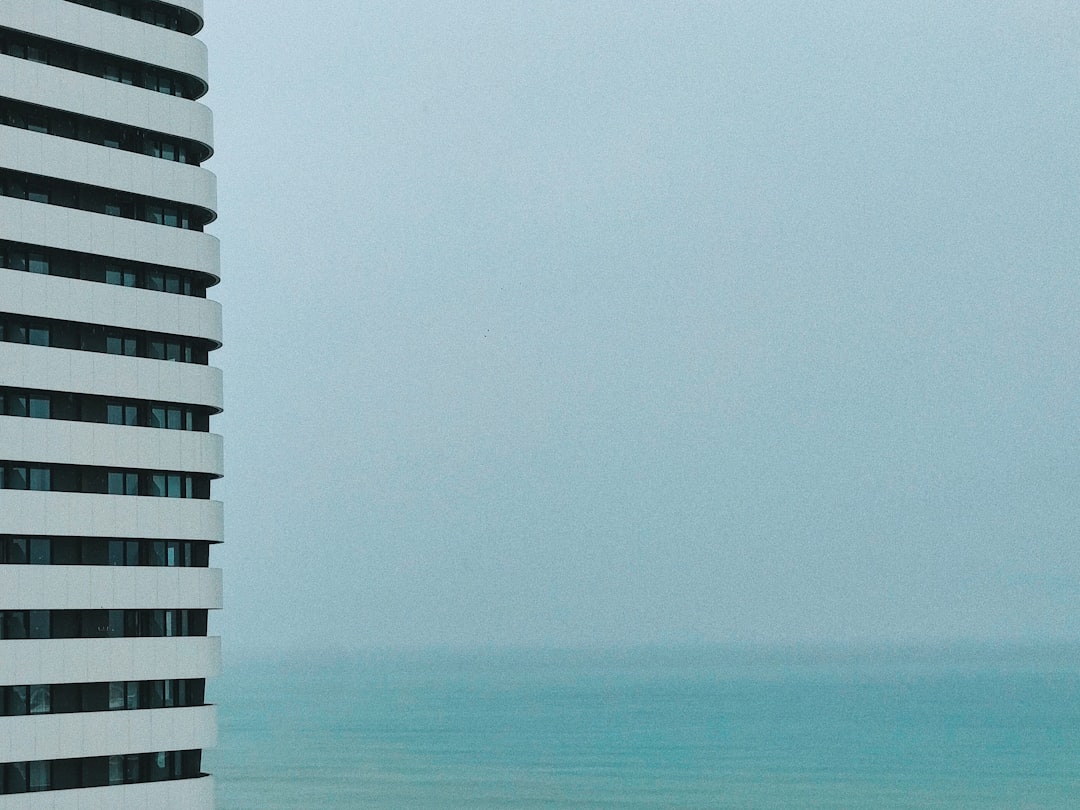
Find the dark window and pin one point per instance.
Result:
(40, 775)
(40, 407)
(40, 551)
(40, 699)
(39, 624)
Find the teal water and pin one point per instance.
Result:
(652, 729)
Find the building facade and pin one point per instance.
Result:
(106, 398)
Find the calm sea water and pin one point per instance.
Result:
(972, 728)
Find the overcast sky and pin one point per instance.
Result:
(570, 323)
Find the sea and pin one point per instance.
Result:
(645, 729)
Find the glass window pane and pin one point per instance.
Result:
(39, 775)
(39, 624)
(18, 701)
(40, 479)
(38, 336)
(15, 777)
(116, 770)
(15, 624)
(173, 419)
(40, 551)
(40, 407)
(160, 770)
(131, 553)
(116, 624)
(18, 551)
(132, 771)
(17, 405)
(40, 699)
(18, 477)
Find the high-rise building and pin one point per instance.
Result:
(106, 394)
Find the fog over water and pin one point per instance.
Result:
(565, 323)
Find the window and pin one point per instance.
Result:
(16, 405)
(14, 624)
(119, 413)
(40, 773)
(17, 550)
(40, 551)
(36, 122)
(123, 483)
(116, 770)
(119, 275)
(40, 407)
(17, 700)
(17, 477)
(116, 343)
(40, 699)
(98, 551)
(15, 777)
(38, 624)
(40, 479)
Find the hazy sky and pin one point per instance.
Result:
(572, 323)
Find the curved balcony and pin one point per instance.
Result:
(106, 33)
(100, 734)
(50, 369)
(77, 514)
(92, 660)
(99, 166)
(58, 298)
(61, 89)
(90, 587)
(72, 229)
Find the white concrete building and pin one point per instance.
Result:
(106, 393)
